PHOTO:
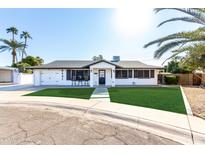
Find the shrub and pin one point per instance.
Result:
(171, 79)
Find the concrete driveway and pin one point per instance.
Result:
(43, 125)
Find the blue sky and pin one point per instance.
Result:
(60, 34)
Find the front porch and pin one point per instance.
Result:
(102, 74)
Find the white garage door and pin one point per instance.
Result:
(50, 77)
(5, 76)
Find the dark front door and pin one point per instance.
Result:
(101, 76)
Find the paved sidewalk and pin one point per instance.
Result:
(178, 127)
(100, 94)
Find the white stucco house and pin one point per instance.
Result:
(95, 73)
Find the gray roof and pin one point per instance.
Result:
(66, 64)
(134, 64)
(87, 63)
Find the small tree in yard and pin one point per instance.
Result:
(28, 61)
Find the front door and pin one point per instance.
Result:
(101, 77)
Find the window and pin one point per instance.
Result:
(118, 74)
(68, 75)
(152, 73)
(143, 73)
(78, 75)
(138, 73)
(146, 73)
(124, 73)
(62, 74)
(73, 75)
(121, 74)
(86, 75)
(130, 73)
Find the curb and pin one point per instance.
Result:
(186, 103)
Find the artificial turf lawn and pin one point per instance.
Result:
(83, 93)
(162, 98)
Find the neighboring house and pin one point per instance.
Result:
(13, 76)
(95, 73)
(8, 74)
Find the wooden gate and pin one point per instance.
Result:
(197, 79)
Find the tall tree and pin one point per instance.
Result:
(12, 30)
(11, 46)
(96, 58)
(25, 35)
(182, 42)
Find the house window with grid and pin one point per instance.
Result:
(143, 74)
(78, 75)
(122, 74)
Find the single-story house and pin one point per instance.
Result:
(8, 74)
(95, 73)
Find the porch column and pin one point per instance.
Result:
(113, 77)
(91, 77)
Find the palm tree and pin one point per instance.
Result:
(26, 36)
(12, 30)
(182, 42)
(13, 46)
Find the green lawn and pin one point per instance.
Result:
(162, 98)
(83, 93)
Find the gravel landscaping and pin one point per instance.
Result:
(196, 98)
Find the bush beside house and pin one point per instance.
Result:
(173, 79)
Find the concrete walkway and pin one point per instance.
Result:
(185, 129)
(100, 94)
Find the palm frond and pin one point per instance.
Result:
(189, 48)
(186, 19)
(163, 39)
(172, 56)
(197, 34)
(4, 48)
(196, 13)
(167, 47)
